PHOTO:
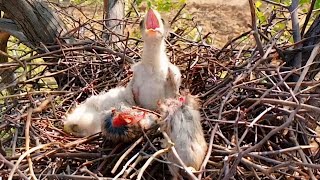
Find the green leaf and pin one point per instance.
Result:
(317, 5)
(286, 2)
(149, 4)
(279, 26)
(258, 4)
(262, 18)
(304, 1)
(223, 74)
(138, 2)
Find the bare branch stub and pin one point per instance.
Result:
(35, 20)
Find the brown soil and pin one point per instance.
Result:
(226, 19)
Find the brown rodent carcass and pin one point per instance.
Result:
(181, 121)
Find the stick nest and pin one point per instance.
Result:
(256, 123)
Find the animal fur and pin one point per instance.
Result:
(181, 121)
(125, 124)
(154, 78)
(86, 118)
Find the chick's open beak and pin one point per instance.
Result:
(152, 23)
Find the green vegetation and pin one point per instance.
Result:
(163, 5)
(160, 5)
(87, 2)
(282, 22)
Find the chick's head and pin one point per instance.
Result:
(153, 27)
(83, 121)
(126, 124)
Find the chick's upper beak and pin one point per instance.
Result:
(152, 22)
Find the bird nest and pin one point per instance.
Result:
(256, 122)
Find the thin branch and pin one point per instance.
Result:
(305, 24)
(177, 15)
(302, 155)
(156, 154)
(313, 55)
(284, 103)
(11, 166)
(255, 28)
(276, 3)
(27, 153)
(293, 9)
(260, 143)
(124, 155)
(208, 155)
(27, 135)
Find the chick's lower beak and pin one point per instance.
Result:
(151, 32)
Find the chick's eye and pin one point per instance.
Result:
(75, 128)
(165, 23)
(141, 24)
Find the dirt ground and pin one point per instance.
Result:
(226, 19)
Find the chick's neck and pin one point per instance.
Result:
(154, 54)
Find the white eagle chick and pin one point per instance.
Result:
(154, 77)
(86, 119)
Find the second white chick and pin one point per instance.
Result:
(85, 119)
(154, 78)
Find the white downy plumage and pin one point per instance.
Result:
(86, 118)
(181, 121)
(154, 78)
